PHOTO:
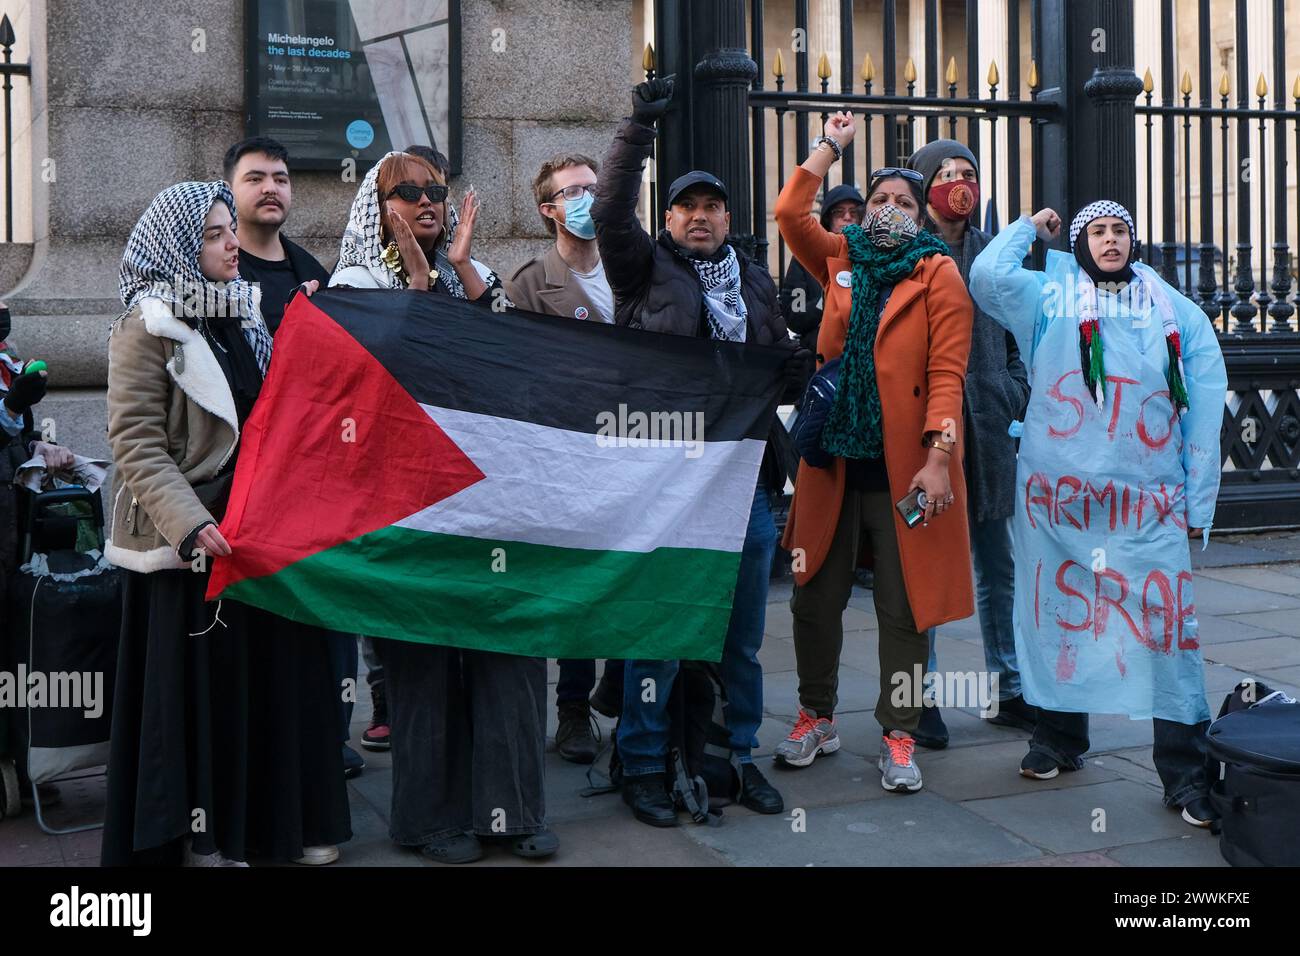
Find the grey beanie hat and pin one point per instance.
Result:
(928, 160)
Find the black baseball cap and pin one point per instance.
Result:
(696, 177)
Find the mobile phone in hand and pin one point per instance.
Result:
(912, 507)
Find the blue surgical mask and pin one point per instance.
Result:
(577, 217)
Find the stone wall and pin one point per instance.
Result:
(124, 107)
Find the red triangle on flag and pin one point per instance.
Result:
(335, 448)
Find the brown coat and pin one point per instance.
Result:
(172, 425)
(546, 285)
(921, 350)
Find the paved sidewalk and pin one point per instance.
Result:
(975, 808)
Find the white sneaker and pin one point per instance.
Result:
(318, 855)
(208, 859)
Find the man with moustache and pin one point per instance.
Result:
(258, 172)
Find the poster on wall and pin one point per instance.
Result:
(335, 80)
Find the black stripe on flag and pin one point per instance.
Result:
(553, 370)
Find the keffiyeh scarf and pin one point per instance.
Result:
(726, 307)
(1145, 288)
(162, 261)
(363, 243)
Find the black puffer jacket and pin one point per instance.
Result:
(654, 283)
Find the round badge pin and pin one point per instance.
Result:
(845, 279)
(580, 312)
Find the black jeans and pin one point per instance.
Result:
(578, 679)
(469, 734)
(1178, 750)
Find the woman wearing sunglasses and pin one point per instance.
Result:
(468, 727)
(898, 318)
(398, 232)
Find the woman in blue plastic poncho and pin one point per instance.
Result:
(1119, 465)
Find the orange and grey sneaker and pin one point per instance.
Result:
(898, 771)
(811, 736)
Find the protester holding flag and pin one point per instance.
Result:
(468, 726)
(691, 281)
(1119, 464)
(898, 318)
(223, 739)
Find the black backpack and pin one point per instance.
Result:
(698, 770)
(1257, 738)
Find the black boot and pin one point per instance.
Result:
(756, 793)
(573, 737)
(931, 732)
(649, 800)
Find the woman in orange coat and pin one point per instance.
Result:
(898, 317)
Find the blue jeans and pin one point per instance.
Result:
(995, 586)
(643, 730)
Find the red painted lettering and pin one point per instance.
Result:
(1075, 485)
(1118, 397)
(1165, 609)
(1055, 392)
(1043, 499)
(1186, 612)
(1100, 495)
(1147, 439)
(1064, 588)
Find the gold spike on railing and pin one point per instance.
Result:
(824, 67)
(1185, 87)
(1261, 87)
(1033, 74)
(648, 58)
(778, 66)
(909, 71)
(993, 73)
(1148, 84)
(868, 69)
(951, 74)
(1225, 84)
(1295, 87)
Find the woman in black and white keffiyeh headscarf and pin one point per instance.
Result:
(384, 232)
(161, 261)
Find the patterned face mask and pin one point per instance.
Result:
(888, 227)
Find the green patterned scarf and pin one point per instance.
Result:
(853, 428)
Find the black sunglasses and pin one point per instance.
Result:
(407, 192)
(889, 172)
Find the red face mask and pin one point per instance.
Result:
(955, 200)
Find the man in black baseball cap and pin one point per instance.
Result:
(690, 281)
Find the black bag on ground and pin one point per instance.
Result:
(1257, 738)
(65, 618)
(698, 770)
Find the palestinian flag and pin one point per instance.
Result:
(423, 468)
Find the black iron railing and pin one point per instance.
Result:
(9, 70)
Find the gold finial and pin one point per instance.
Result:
(1185, 87)
(993, 73)
(1033, 74)
(648, 58)
(1224, 84)
(778, 66)
(1148, 84)
(824, 67)
(868, 69)
(909, 71)
(1295, 87)
(1261, 87)
(951, 75)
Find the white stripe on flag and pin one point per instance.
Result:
(551, 486)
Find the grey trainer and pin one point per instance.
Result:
(811, 736)
(898, 771)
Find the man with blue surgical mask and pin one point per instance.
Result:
(570, 280)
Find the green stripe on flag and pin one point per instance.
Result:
(547, 602)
